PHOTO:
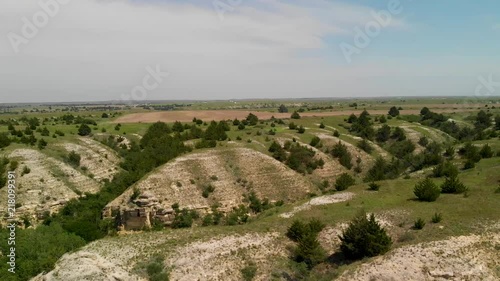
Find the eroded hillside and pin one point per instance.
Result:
(46, 182)
(231, 173)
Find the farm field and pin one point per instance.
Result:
(218, 115)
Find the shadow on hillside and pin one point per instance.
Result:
(338, 259)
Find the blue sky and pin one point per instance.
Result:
(102, 49)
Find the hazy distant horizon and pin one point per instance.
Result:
(306, 99)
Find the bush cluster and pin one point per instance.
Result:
(344, 181)
(427, 190)
(453, 185)
(308, 249)
(299, 158)
(340, 152)
(364, 238)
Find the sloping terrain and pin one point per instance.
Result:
(330, 170)
(474, 257)
(100, 161)
(366, 159)
(432, 133)
(222, 258)
(379, 150)
(219, 258)
(414, 137)
(50, 183)
(232, 172)
(86, 266)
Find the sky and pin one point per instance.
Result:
(139, 50)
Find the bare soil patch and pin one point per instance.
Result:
(322, 200)
(223, 258)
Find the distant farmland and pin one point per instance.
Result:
(217, 115)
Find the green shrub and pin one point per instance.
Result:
(207, 220)
(383, 133)
(316, 226)
(486, 151)
(321, 126)
(25, 171)
(155, 269)
(256, 204)
(470, 152)
(398, 134)
(469, 164)
(42, 144)
(453, 185)
(445, 169)
(135, 194)
(207, 189)
(364, 238)
(393, 111)
(423, 141)
(237, 216)
(300, 159)
(400, 149)
(449, 152)
(340, 151)
(84, 130)
(419, 224)
(497, 190)
(336, 133)
(13, 165)
(365, 145)
(309, 251)
(295, 115)
(427, 190)
(299, 229)
(315, 141)
(183, 219)
(344, 181)
(374, 186)
(248, 272)
(437, 218)
(74, 159)
(39, 249)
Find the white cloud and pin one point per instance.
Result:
(97, 50)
